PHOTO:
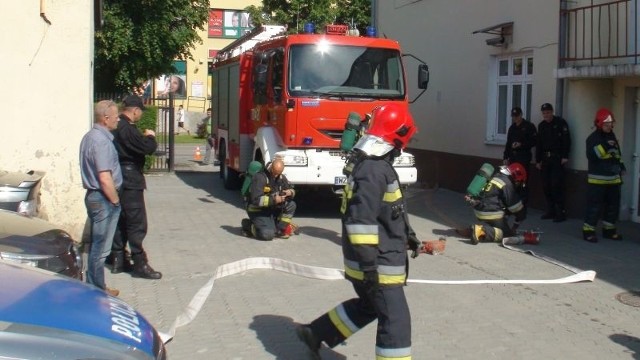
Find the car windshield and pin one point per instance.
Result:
(345, 71)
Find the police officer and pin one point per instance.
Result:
(375, 236)
(499, 199)
(270, 204)
(132, 147)
(604, 179)
(521, 138)
(552, 153)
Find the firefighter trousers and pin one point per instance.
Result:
(267, 222)
(605, 200)
(492, 230)
(387, 304)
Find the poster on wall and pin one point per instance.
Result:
(229, 23)
(175, 84)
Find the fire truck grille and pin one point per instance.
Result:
(334, 134)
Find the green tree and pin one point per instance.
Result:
(295, 13)
(140, 39)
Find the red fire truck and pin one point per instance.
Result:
(289, 96)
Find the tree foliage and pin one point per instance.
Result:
(295, 13)
(140, 39)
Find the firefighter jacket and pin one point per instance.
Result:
(374, 225)
(132, 147)
(497, 198)
(525, 134)
(264, 189)
(604, 156)
(553, 140)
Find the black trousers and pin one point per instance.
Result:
(552, 176)
(268, 221)
(132, 225)
(602, 200)
(387, 304)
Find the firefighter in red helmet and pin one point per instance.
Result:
(604, 179)
(375, 237)
(499, 199)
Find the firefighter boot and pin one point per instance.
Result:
(561, 214)
(142, 269)
(611, 234)
(246, 227)
(477, 234)
(121, 262)
(306, 335)
(590, 236)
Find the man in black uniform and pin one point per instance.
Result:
(604, 179)
(270, 204)
(132, 147)
(499, 198)
(552, 153)
(375, 237)
(521, 138)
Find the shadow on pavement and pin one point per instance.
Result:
(321, 233)
(631, 342)
(277, 334)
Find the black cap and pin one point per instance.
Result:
(516, 111)
(546, 107)
(133, 101)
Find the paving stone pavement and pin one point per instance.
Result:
(194, 227)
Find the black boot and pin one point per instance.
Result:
(142, 269)
(306, 335)
(121, 262)
(611, 234)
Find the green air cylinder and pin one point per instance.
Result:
(254, 168)
(350, 133)
(480, 180)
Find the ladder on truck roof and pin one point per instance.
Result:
(249, 40)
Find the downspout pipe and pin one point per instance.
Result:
(562, 51)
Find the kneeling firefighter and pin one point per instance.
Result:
(375, 238)
(497, 200)
(270, 206)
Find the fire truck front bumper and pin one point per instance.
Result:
(318, 167)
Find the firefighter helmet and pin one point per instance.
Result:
(603, 116)
(391, 126)
(516, 171)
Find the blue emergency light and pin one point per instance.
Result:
(309, 28)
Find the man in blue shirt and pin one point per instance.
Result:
(102, 177)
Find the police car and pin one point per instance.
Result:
(50, 316)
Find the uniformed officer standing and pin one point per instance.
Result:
(132, 148)
(604, 179)
(521, 138)
(375, 237)
(552, 153)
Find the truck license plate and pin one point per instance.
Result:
(340, 180)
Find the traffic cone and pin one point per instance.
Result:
(197, 156)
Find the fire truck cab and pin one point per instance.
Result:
(288, 96)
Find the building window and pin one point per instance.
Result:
(511, 85)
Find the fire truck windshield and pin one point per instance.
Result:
(345, 71)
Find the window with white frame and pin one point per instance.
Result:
(511, 84)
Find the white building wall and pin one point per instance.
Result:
(46, 99)
(453, 113)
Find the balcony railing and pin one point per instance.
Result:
(596, 33)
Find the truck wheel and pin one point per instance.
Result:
(230, 177)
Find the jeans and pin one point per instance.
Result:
(104, 220)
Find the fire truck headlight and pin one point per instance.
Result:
(404, 160)
(294, 160)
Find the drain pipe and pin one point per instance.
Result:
(562, 52)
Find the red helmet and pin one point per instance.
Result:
(392, 123)
(603, 116)
(517, 172)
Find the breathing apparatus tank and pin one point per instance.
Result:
(254, 168)
(351, 131)
(480, 180)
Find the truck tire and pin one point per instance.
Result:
(230, 177)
